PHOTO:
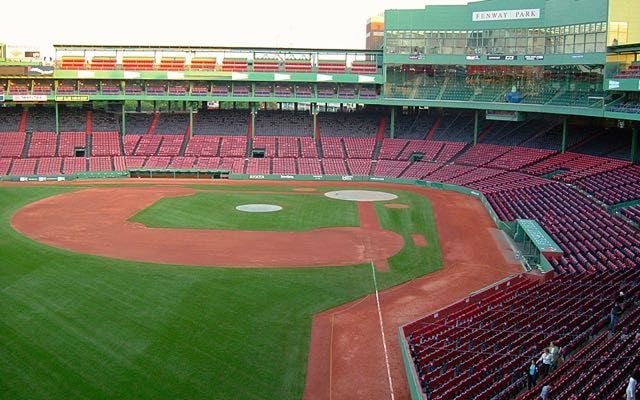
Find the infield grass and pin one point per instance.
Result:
(74, 326)
(214, 210)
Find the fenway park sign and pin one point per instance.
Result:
(504, 15)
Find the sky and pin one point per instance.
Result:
(260, 23)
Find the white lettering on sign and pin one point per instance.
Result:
(504, 15)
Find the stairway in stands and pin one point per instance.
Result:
(154, 123)
(27, 143)
(22, 127)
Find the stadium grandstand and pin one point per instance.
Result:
(529, 105)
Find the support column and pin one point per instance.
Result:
(190, 122)
(314, 112)
(57, 119)
(565, 132)
(253, 120)
(124, 119)
(634, 143)
(392, 124)
(475, 128)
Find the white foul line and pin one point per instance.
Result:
(384, 340)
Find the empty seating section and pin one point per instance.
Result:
(69, 142)
(43, 144)
(506, 181)
(283, 166)
(200, 89)
(130, 143)
(71, 165)
(457, 126)
(234, 64)
(172, 124)
(363, 67)
(49, 166)
(18, 89)
(148, 145)
(10, 119)
(359, 167)
(241, 90)
(156, 89)
(133, 88)
(207, 163)
(134, 162)
(309, 166)
(110, 88)
(72, 62)
(519, 157)
(552, 138)
(263, 90)
(105, 144)
(283, 123)
(100, 164)
(448, 172)
(391, 149)
(221, 122)
(103, 63)
(171, 64)
(266, 143)
(633, 213)
(131, 63)
(105, 122)
(69, 88)
(5, 166)
(119, 163)
(178, 89)
(632, 71)
(41, 120)
(202, 145)
(233, 165)
(591, 238)
(332, 147)
(356, 124)
(612, 187)
(359, 147)
(480, 347)
(73, 120)
(334, 166)
(308, 147)
(182, 163)
(266, 65)
(514, 133)
(390, 168)
(220, 90)
(332, 66)
(170, 145)
(474, 175)
(611, 143)
(419, 170)
(23, 166)
(449, 151)
(157, 162)
(574, 166)
(297, 66)
(42, 88)
(85, 87)
(288, 147)
(233, 146)
(139, 123)
(259, 166)
(11, 144)
(427, 149)
(413, 126)
(203, 64)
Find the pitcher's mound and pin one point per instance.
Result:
(361, 195)
(258, 208)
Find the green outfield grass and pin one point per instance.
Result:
(215, 210)
(78, 326)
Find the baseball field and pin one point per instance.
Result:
(86, 326)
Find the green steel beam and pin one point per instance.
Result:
(475, 128)
(190, 122)
(565, 131)
(314, 112)
(57, 119)
(634, 143)
(253, 120)
(392, 127)
(124, 121)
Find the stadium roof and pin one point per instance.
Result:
(632, 48)
(210, 48)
